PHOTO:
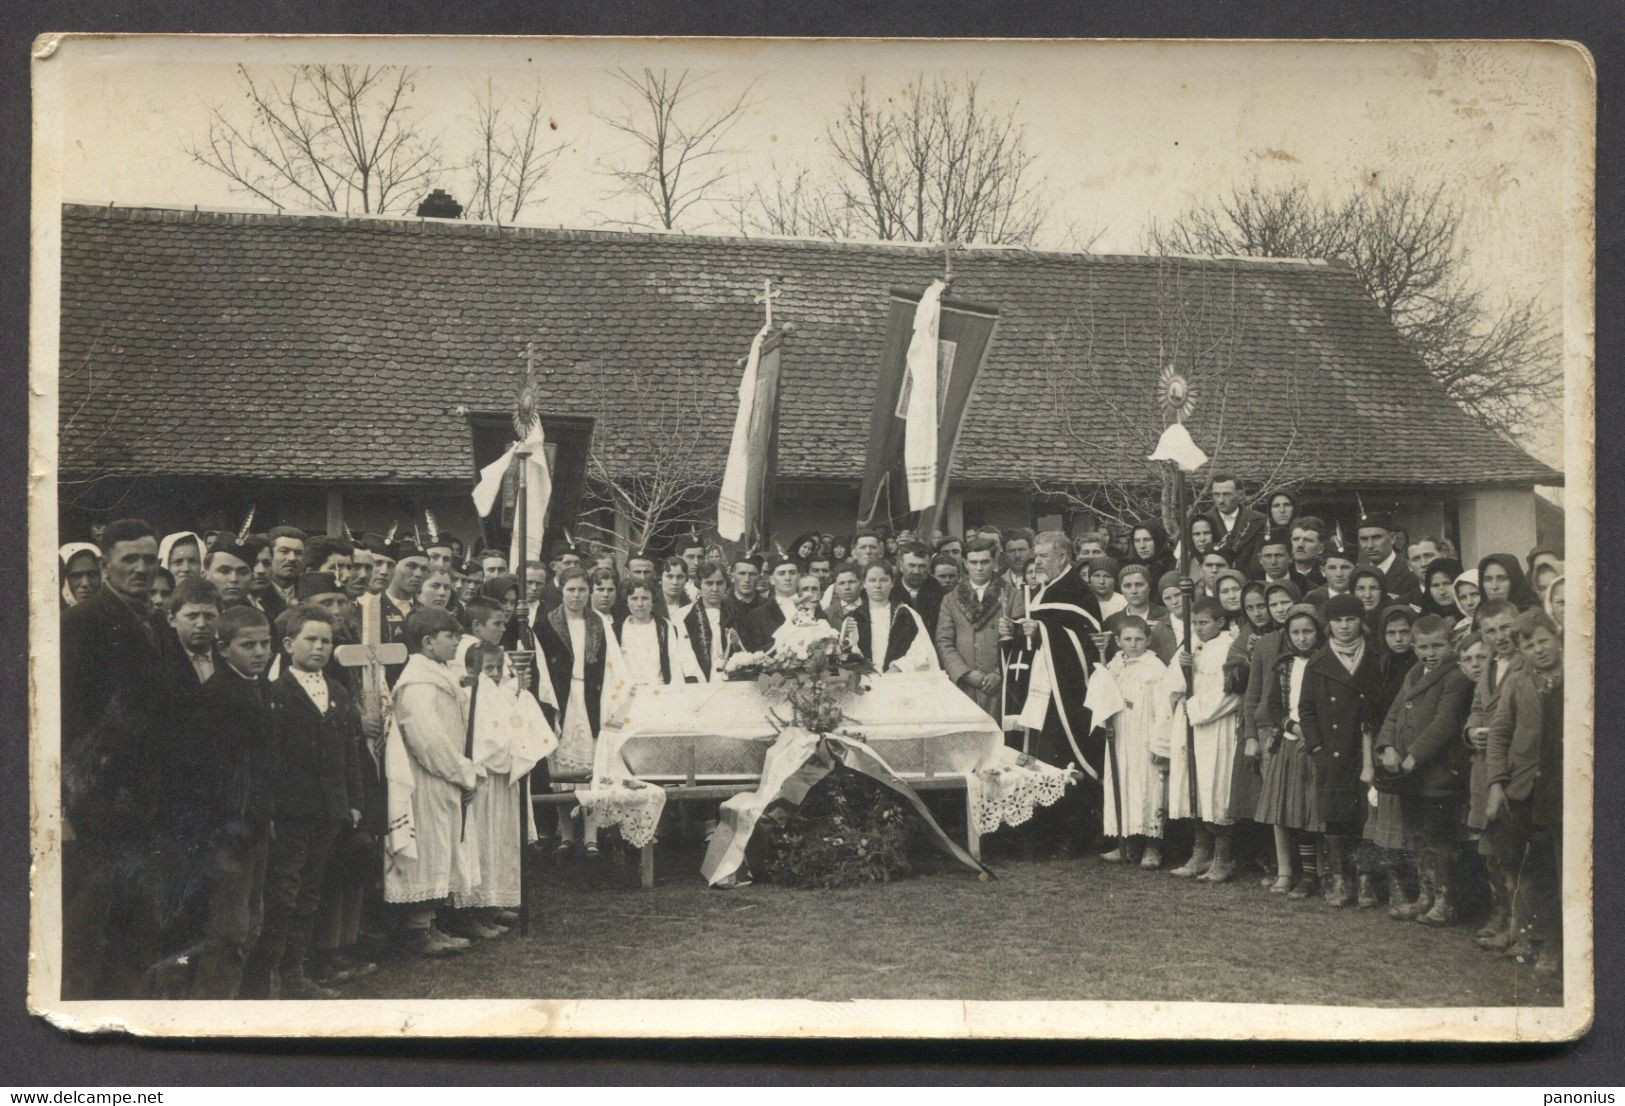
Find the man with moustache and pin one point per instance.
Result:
(112, 653)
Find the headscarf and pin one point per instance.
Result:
(66, 555)
(1246, 619)
(498, 586)
(1520, 594)
(1302, 610)
(1269, 515)
(1468, 577)
(172, 540)
(1546, 600)
(1187, 547)
(1233, 617)
(1389, 613)
(1161, 559)
(1382, 591)
(793, 550)
(1287, 586)
(1450, 569)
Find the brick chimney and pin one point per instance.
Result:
(439, 205)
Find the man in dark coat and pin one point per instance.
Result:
(1065, 616)
(1377, 550)
(1238, 530)
(111, 699)
(743, 596)
(757, 628)
(1336, 709)
(915, 585)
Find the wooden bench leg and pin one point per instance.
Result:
(646, 866)
(973, 840)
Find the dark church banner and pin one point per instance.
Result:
(964, 335)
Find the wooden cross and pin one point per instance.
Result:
(767, 297)
(371, 659)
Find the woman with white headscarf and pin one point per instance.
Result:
(182, 554)
(81, 572)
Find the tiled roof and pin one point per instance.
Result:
(319, 347)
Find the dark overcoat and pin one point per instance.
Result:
(1425, 723)
(1335, 708)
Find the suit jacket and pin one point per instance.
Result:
(318, 772)
(738, 609)
(1425, 723)
(113, 701)
(181, 683)
(1399, 581)
(1517, 741)
(1242, 543)
(968, 640)
(928, 603)
(1335, 709)
(1308, 581)
(222, 765)
(756, 629)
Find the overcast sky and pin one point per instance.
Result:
(1125, 133)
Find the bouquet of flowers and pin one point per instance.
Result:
(809, 668)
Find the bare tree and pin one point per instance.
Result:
(1244, 423)
(941, 165)
(1498, 361)
(511, 155)
(793, 203)
(678, 160)
(330, 137)
(653, 461)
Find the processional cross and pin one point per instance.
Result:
(767, 297)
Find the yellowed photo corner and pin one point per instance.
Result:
(1557, 170)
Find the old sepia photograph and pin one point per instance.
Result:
(739, 537)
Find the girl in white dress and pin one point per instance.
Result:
(1212, 714)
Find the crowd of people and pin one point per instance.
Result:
(250, 811)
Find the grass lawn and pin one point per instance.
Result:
(1073, 929)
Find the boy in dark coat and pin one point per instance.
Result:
(1525, 804)
(318, 797)
(223, 802)
(1421, 738)
(1336, 715)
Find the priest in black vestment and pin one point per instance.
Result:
(1064, 616)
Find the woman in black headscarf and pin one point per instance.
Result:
(1500, 576)
(804, 548)
(1439, 589)
(1281, 510)
(1148, 546)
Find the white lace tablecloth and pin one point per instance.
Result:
(1005, 792)
(919, 723)
(633, 806)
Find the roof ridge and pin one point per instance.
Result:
(145, 213)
